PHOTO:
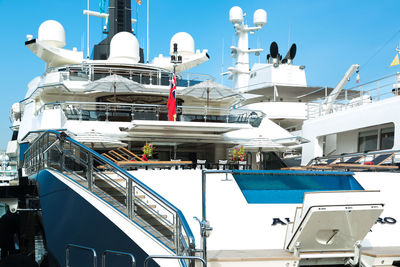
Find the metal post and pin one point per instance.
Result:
(62, 154)
(203, 211)
(80, 112)
(89, 173)
(129, 199)
(177, 236)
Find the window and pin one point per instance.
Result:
(368, 141)
(387, 138)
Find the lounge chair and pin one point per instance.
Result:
(375, 164)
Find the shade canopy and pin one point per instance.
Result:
(114, 83)
(210, 90)
(97, 140)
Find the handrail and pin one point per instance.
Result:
(361, 94)
(151, 257)
(355, 154)
(104, 111)
(119, 253)
(145, 105)
(35, 160)
(79, 247)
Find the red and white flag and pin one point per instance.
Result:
(171, 104)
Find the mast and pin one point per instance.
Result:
(119, 20)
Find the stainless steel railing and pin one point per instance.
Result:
(126, 194)
(362, 94)
(365, 156)
(99, 111)
(139, 73)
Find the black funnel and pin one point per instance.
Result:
(273, 50)
(119, 20)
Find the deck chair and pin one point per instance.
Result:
(354, 159)
(222, 164)
(331, 161)
(201, 164)
(377, 163)
(379, 160)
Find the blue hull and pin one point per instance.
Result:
(70, 219)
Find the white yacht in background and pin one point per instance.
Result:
(79, 132)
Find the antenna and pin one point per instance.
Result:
(240, 73)
(222, 61)
(148, 44)
(87, 49)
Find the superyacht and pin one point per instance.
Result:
(114, 174)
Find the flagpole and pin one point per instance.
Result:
(87, 49)
(148, 45)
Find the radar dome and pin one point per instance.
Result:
(124, 48)
(260, 17)
(235, 15)
(185, 44)
(52, 33)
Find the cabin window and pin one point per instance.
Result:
(368, 141)
(387, 138)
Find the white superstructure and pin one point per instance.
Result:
(251, 215)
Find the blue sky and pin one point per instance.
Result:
(330, 36)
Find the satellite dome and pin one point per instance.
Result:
(124, 48)
(185, 44)
(235, 15)
(52, 33)
(260, 17)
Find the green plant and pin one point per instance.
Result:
(238, 153)
(148, 149)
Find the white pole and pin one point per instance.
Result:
(87, 49)
(222, 61)
(148, 44)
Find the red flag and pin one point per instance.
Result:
(171, 104)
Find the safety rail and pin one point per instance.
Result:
(69, 246)
(193, 258)
(129, 196)
(364, 157)
(118, 253)
(99, 111)
(139, 73)
(383, 88)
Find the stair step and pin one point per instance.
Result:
(146, 215)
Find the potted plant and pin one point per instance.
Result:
(147, 149)
(238, 153)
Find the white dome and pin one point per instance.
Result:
(185, 44)
(124, 48)
(260, 17)
(52, 33)
(235, 15)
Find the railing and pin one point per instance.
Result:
(365, 157)
(362, 94)
(118, 253)
(122, 191)
(69, 246)
(99, 111)
(138, 73)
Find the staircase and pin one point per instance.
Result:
(113, 185)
